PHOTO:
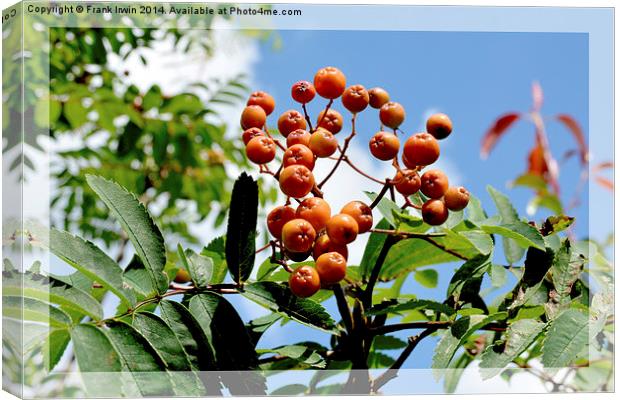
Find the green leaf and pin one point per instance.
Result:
(54, 347)
(409, 254)
(427, 277)
(512, 251)
(98, 359)
(200, 268)
(90, 261)
(519, 336)
(547, 200)
(386, 207)
(387, 342)
(152, 98)
(234, 350)
(556, 224)
(396, 306)
(75, 112)
(216, 251)
(140, 358)
(34, 310)
(454, 373)
(456, 336)
(138, 278)
(139, 226)
(601, 308)
(289, 390)
(498, 275)
(566, 338)
(521, 233)
(278, 298)
(169, 348)
(565, 271)
(189, 334)
(241, 232)
(471, 270)
(531, 181)
(48, 289)
(300, 353)
(373, 248)
(474, 210)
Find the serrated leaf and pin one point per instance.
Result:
(471, 270)
(234, 350)
(98, 360)
(48, 289)
(512, 251)
(169, 348)
(300, 353)
(566, 338)
(387, 342)
(278, 298)
(35, 310)
(241, 231)
(427, 277)
(200, 267)
(409, 254)
(90, 261)
(396, 306)
(289, 390)
(189, 334)
(138, 357)
(522, 234)
(137, 224)
(54, 347)
(475, 212)
(216, 251)
(138, 278)
(454, 337)
(519, 336)
(556, 224)
(565, 271)
(498, 275)
(454, 373)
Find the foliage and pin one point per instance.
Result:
(544, 317)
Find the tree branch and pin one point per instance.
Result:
(343, 307)
(382, 330)
(374, 275)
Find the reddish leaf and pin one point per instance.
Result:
(537, 96)
(604, 182)
(575, 129)
(602, 166)
(536, 164)
(493, 134)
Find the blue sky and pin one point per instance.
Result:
(473, 77)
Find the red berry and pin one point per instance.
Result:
(378, 97)
(332, 268)
(439, 125)
(253, 117)
(314, 210)
(298, 235)
(342, 229)
(298, 154)
(434, 212)
(303, 92)
(277, 218)
(323, 143)
(324, 245)
(261, 150)
(361, 213)
(456, 198)
(407, 184)
(296, 181)
(332, 120)
(434, 184)
(392, 114)
(355, 98)
(263, 100)
(384, 145)
(329, 82)
(298, 136)
(304, 281)
(290, 121)
(419, 150)
(251, 133)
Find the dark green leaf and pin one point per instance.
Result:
(54, 347)
(512, 251)
(90, 261)
(279, 299)
(566, 338)
(289, 390)
(387, 342)
(241, 232)
(138, 278)
(427, 277)
(565, 271)
(216, 251)
(373, 248)
(300, 353)
(519, 232)
(396, 306)
(386, 207)
(138, 224)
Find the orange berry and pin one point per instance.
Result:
(264, 100)
(355, 98)
(290, 121)
(323, 143)
(420, 149)
(434, 212)
(314, 210)
(298, 154)
(303, 92)
(439, 125)
(253, 117)
(304, 281)
(434, 184)
(261, 150)
(332, 120)
(182, 276)
(298, 136)
(329, 82)
(342, 229)
(298, 235)
(297, 257)
(456, 198)
(384, 145)
(361, 213)
(332, 268)
(378, 97)
(277, 218)
(407, 184)
(392, 114)
(296, 181)
(324, 245)
(251, 133)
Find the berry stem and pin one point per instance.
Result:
(382, 193)
(329, 104)
(303, 106)
(276, 141)
(407, 235)
(342, 152)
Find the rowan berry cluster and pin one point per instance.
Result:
(310, 229)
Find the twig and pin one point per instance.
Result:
(382, 330)
(362, 173)
(393, 371)
(407, 235)
(265, 247)
(276, 141)
(382, 193)
(303, 106)
(374, 275)
(343, 308)
(275, 260)
(342, 152)
(329, 104)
